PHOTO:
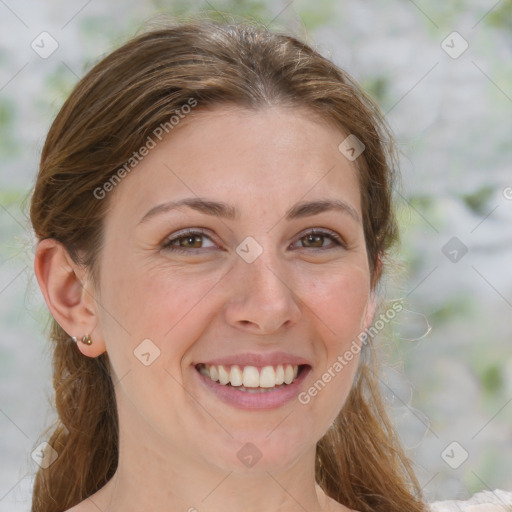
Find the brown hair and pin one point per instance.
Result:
(109, 114)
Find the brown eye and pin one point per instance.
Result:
(316, 239)
(188, 241)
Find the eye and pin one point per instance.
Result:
(186, 241)
(192, 241)
(314, 239)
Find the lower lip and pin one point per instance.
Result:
(260, 400)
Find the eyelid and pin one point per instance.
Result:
(182, 234)
(337, 239)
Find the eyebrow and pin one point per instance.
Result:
(226, 211)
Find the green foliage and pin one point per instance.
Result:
(312, 15)
(11, 223)
(377, 87)
(478, 201)
(220, 11)
(501, 16)
(316, 14)
(60, 82)
(9, 196)
(489, 370)
(96, 30)
(421, 203)
(459, 306)
(9, 147)
(492, 379)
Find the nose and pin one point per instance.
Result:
(262, 298)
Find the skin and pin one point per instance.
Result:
(178, 442)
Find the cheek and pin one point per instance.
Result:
(150, 299)
(160, 303)
(166, 306)
(339, 305)
(339, 300)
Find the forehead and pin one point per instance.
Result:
(267, 159)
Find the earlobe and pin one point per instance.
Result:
(68, 300)
(371, 307)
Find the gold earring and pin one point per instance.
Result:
(86, 339)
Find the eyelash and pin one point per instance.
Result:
(194, 232)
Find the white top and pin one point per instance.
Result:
(485, 501)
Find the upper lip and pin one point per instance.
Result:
(258, 359)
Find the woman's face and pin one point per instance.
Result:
(254, 288)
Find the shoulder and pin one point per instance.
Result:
(81, 507)
(485, 501)
(94, 503)
(84, 506)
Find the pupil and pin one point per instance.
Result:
(190, 239)
(311, 238)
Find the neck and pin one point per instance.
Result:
(155, 476)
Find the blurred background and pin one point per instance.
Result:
(442, 74)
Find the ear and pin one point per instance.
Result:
(68, 294)
(371, 305)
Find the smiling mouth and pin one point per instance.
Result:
(252, 378)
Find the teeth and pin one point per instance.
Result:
(223, 375)
(279, 374)
(288, 374)
(235, 376)
(267, 377)
(251, 376)
(214, 373)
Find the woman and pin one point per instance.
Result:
(213, 209)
